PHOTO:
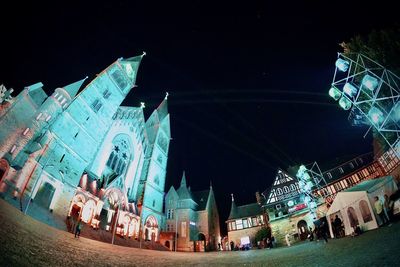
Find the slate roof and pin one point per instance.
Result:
(244, 211)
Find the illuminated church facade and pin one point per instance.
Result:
(84, 156)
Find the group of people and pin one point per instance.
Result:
(384, 209)
(320, 231)
(338, 228)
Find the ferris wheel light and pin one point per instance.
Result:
(342, 65)
(376, 115)
(345, 103)
(369, 82)
(349, 90)
(335, 93)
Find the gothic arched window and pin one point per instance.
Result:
(121, 154)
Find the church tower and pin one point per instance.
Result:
(76, 135)
(151, 188)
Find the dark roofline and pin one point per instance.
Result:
(344, 163)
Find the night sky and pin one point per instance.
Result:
(247, 82)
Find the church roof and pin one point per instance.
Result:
(234, 211)
(131, 66)
(162, 109)
(183, 191)
(245, 211)
(73, 88)
(201, 198)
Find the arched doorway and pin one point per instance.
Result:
(365, 211)
(351, 213)
(4, 167)
(302, 229)
(151, 228)
(88, 211)
(201, 242)
(167, 244)
(45, 195)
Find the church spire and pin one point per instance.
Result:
(131, 66)
(234, 212)
(162, 109)
(183, 180)
(73, 88)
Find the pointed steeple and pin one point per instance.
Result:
(73, 88)
(183, 191)
(183, 180)
(234, 212)
(162, 109)
(131, 66)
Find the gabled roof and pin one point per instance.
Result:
(284, 187)
(131, 66)
(172, 191)
(73, 88)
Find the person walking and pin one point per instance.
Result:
(338, 226)
(379, 210)
(324, 229)
(78, 228)
(311, 235)
(287, 239)
(388, 208)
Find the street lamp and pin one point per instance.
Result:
(176, 229)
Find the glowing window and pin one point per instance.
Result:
(13, 149)
(279, 191)
(245, 223)
(25, 132)
(239, 224)
(48, 118)
(39, 116)
(286, 189)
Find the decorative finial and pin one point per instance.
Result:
(142, 105)
(143, 54)
(210, 184)
(166, 95)
(232, 198)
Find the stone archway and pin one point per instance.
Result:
(302, 229)
(151, 229)
(200, 243)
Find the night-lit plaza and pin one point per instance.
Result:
(229, 133)
(26, 242)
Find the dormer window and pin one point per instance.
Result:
(39, 116)
(13, 149)
(48, 118)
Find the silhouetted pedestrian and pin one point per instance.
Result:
(78, 228)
